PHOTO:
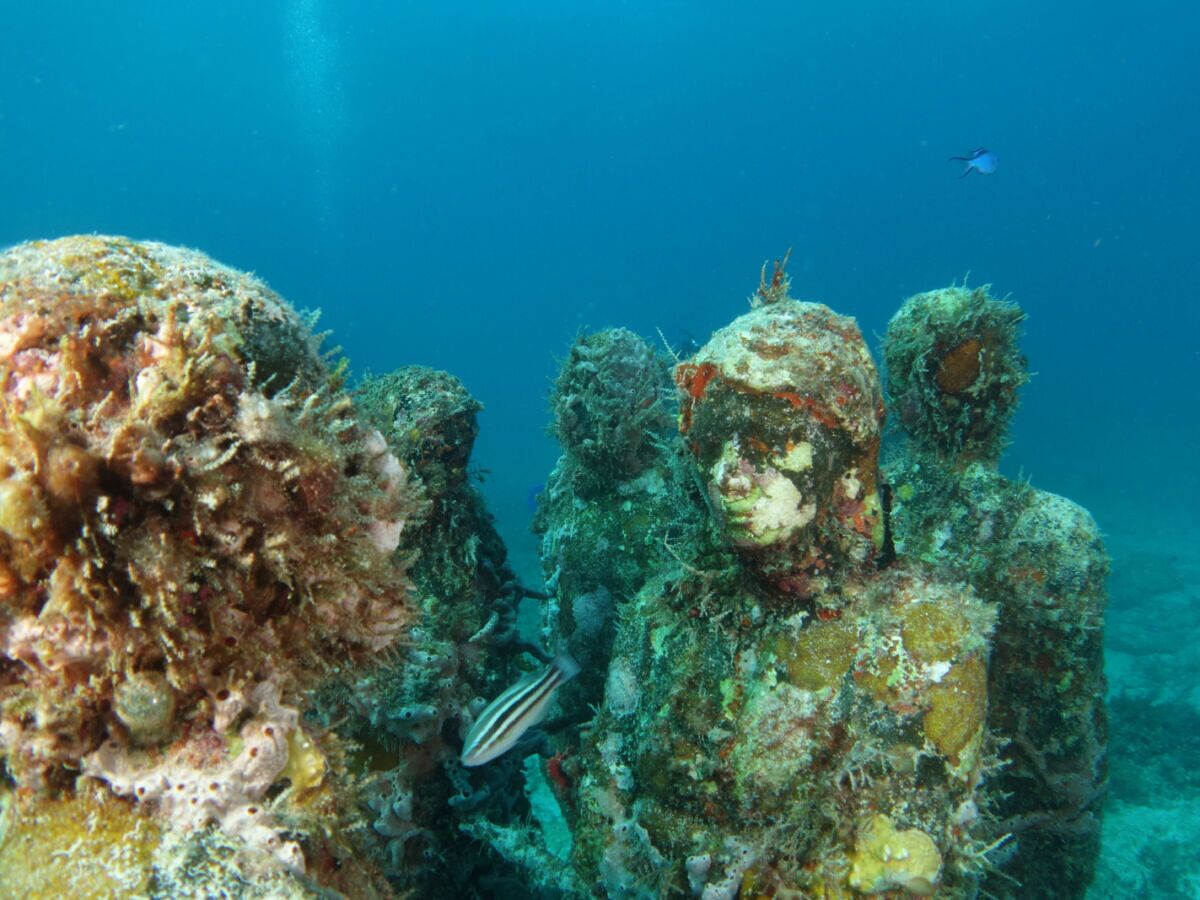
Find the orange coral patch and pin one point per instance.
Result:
(694, 379)
(758, 445)
(816, 410)
(960, 367)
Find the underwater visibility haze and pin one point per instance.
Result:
(745, 450)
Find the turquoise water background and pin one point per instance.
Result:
(467, 189)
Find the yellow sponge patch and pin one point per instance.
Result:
(885, 859)
(305, 763)
(90, 846)
(954, 723)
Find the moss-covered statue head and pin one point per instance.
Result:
(607, 404)
(953, 370)
(782, 410)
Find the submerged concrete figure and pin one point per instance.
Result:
(175, 455)
(954, 369)
(953, 374)
(798, 700)
(779, 714)
(604, 513)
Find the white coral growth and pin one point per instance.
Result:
(199, 783)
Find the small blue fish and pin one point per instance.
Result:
(982, 161)
(502, 722)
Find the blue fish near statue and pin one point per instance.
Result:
(982, 161)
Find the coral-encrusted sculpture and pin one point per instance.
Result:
(408, 712)
(608, 409)
(1037, 556)
(954, 370)
(194, 527)
(779, 715)
(783, 411)
(620, 496)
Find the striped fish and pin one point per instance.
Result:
(505, 719)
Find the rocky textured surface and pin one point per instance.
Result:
(195, 525)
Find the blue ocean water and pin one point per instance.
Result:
(467, 185)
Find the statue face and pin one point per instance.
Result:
(767, 497)
(782, 410)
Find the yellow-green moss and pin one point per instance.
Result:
(885, 859)
(765, 881)
(954, 722)
(113, 265)
(819, 656)
(86, 847)
(880, 683)
(932, 632)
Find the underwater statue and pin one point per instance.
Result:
(802, 696)
(196, 526)
(954, 371)
(250, 621)
(787, 707)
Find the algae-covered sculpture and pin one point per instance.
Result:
(608, 405)
(619, 499)
(195, 526)
(250, 623)
(409, 712)
(953, 372)
(779, 715)
(783, 413)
